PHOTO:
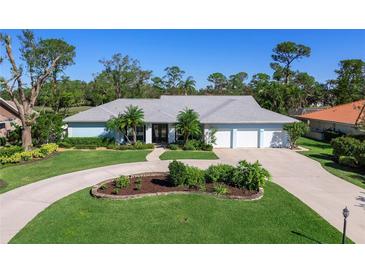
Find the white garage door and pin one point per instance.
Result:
(275, 138)
(247, 137)
(223, 138)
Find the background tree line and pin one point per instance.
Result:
(286, 89)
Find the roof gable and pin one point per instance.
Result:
(346, 113)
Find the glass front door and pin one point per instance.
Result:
(159, 133)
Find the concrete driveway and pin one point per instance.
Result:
(308, 181)
(301, 176)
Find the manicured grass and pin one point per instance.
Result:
(278, 217)
(322, 152)
(188, 154)
(65, 162)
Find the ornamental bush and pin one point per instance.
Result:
(220, 189)
(345, 146)
(219, 173)
(250, 176)
(348, 161)
(194, 178)
(122, 182)
(173, 146)
(47, 149)
(177, 173)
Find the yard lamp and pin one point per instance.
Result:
(345, 213)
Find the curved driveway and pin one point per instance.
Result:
(303, 177)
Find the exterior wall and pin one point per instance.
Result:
(171, 133)
(317, 127)
(259, 135)
(86, 129)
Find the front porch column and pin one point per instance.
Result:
(171, 133)
(148, 133)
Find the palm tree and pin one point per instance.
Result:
(117, 124)
(188, 86)
(133, 116)
(188, 123)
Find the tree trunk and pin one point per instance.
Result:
(134, 135)
(27, 137)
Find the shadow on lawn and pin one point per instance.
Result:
(305, 236)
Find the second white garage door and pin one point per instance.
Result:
(247, 137)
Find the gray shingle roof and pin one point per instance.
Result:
(212, 109)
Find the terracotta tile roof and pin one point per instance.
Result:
(346, 113)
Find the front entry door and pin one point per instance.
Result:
(159, 133)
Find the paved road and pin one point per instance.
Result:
(301, 176)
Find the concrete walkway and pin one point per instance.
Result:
(301, 176)
(155, 154)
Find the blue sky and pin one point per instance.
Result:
(201, 52)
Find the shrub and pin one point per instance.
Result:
(26, 155)
(207, 147)
(194, 178)
(2, 141)
(104, 187)
(65, 145)
(220, 189)
(177, 173)
(86, 141)
(8, 151)
(250, 176)
(173, 146)
(47, 149)
(122, 182)
(140, 145)
(190, 145)
(85, 146)
(295, 130)
(348, 161)
(116, 191)
(345, 146)
(36, 153)
(138, 183)
(331, 134)
(361, 160)
(12, 159)
(219, 173)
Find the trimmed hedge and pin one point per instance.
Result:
(86, 146)
(345, 146)
(86, 141)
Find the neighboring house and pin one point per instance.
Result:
(8, 115)
(342, 118)
(239, 120)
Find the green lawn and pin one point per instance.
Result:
(278, 217)
(322, 152)
(188, 154)
(65, 162)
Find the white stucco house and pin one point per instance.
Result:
(239, 120)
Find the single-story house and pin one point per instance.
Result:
(341, 118)
(239, 120)
(8, 114)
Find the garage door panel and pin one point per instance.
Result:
(223, 138)
(247, 137)
(275, 138)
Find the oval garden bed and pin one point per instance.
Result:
(158, 183)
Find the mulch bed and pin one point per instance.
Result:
(159, 184)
